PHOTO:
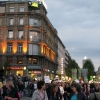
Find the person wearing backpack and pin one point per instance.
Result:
(95, 95)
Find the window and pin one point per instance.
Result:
(37, 11)
(32, 61)
(11, 9)
(20, 47)
(9, 47)
(33, 22)
(10, 34)
(20, 61)
(11, 21)
(33, 36)
(20, 34)
(21, 9)
(9, 60)
(33, 49)
(21, 21)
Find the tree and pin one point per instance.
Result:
(72, 65)
(89, 65)
(7, 66)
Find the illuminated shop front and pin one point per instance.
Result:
(35, 72)
(35, 75)
(48, 72)
(18, 70)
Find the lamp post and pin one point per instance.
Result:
(25, 73)
(24, 67)
(93, 78)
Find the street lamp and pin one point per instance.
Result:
(93, 78)
(25, 68)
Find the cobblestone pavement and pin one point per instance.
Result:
(25, 98)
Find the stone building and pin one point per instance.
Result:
(28, 41)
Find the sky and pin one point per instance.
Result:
(78, 26)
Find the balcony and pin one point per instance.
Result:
(9, 53)
(34, 40)
(11, 39)
(20, 53)
(22, 38)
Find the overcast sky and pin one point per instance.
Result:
(78, 26)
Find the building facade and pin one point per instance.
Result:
(61, 58)
(98, 73)
(67, 58)
(28, 41)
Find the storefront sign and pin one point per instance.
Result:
(33, 67)
(37, 72)
(16, 68)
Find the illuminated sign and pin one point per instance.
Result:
(62, 70)
(34, 4)
(37, 72)
(16, 68)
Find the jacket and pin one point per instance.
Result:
(57, 97)
(36, 95)
(92, 95)
(80, 96)
(12, 93)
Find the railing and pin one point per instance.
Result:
(10, 38)
(20, 38)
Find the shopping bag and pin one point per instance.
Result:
(19, 95)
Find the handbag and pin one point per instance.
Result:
(19, 95)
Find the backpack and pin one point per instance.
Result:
(95, 97)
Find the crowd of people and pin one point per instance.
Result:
(14, 87)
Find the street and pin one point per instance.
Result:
(25, 98)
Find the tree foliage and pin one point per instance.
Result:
(89, 65)
(7, 66)
(72, 65)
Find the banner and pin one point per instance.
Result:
(47, 79)
(79, 73)
(84, 73)
(74, 74)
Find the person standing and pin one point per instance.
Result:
(55, 94)
(95, 95)
(10, 92)
(85, 90)
(77, 94)
(40, 93)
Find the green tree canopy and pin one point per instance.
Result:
(89, 65)
(72, 65)
(7, 66)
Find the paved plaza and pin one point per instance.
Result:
(25, 98)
